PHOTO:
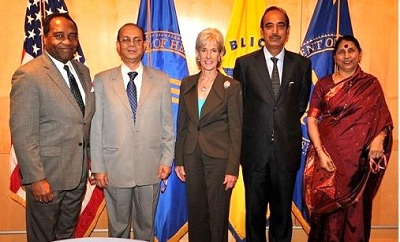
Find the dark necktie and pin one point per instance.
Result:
(275, 77)
(132, 93)
(75, 89)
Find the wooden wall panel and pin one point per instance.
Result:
(375, 24)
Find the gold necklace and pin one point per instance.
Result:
(204, 80)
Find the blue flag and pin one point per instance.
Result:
(330, 20)
(165, 52)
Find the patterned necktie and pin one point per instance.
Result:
(132, 93)
(275, 77)
(75, 89)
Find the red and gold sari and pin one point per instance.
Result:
(351, 113)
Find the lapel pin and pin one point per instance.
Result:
(227, 84)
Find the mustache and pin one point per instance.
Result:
(274, 36)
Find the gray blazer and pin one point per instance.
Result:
(132, 153)
(49, 132)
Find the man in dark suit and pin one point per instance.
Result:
(271, 144)
(51, 111)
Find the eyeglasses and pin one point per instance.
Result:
(127, 41)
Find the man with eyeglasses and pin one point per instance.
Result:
(132, 137)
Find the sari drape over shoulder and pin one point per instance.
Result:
(352, 113)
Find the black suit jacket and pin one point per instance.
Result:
(266, 121)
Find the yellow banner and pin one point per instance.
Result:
(243, 34)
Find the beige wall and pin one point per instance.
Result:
(375, 24)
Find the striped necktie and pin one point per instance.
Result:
(132, 93)
(73, 86)
(275, 77)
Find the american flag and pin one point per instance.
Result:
(93, 203)
(36, 11)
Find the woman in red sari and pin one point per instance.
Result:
(350, 127)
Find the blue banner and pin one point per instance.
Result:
(165, 52)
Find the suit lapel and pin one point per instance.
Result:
(86, 84)
(54, 74)
(288, 66)
(215, 97)
(147, 83)
(117, 84)
(261, 65)
(81, 77)
(190, 96)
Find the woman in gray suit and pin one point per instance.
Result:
(208, 140)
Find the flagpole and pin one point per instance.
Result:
(42, 11)
(149, 32)
(338, 20)
(301, 24)
(337, 27)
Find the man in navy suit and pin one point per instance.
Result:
(271, 144)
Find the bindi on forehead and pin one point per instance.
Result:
(346, 46)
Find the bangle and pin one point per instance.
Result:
(319, 148)
(385, 131)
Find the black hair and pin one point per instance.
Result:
(131, 24)
(272, 8)
(47, 20)
(348, 38)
